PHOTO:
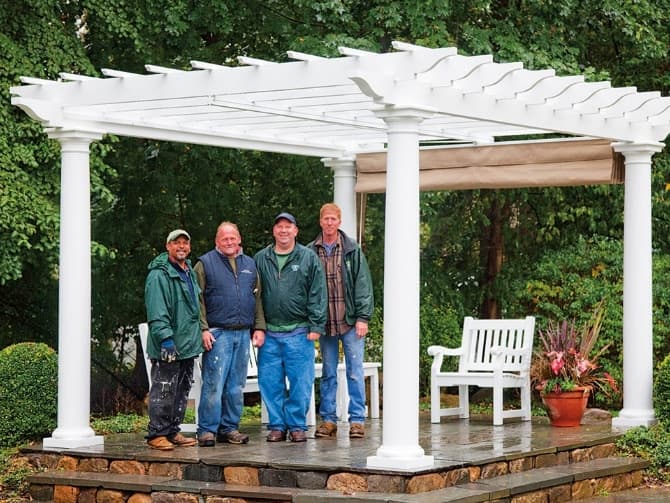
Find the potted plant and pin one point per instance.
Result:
(565, 372)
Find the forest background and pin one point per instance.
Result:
(550, 252)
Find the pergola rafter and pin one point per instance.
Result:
(336, 108)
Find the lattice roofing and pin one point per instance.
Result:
(326, 106)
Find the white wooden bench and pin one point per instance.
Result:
(251, 385)
(493, 354)
(370, 370)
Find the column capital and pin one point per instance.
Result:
(62, 135)
(393, 114)
(348, 161)
(638, 148)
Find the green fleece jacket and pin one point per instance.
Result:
(171, 310)
(295, 296)
(358, 296)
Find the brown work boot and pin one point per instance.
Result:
(160, 443)
(276, 436)
(327, 429)
(181, 441)
(232, 437)
(356, 430)
(297, 436)
(206, 439)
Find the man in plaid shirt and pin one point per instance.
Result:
(350, 306)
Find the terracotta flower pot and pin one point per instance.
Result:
(566, 408)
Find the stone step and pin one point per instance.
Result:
(556, 484)
(68, 485)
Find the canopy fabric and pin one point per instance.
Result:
(525, 164)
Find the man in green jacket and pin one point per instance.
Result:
(294, 301)
(350, 305)
(171, 295)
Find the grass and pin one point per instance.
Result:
(133, 423)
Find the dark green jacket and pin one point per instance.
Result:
(171, 311)
(358, 295)
(296, 296)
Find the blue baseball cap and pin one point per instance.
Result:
(286, 216)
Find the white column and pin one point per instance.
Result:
(638, 358)
(344, 190)
(74, 295)
(400, 447)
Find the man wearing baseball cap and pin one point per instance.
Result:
(171, 298)
(294, 300)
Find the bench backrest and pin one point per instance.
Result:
(480, 336)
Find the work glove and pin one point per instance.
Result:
(168, 350)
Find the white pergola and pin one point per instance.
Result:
(334, 109)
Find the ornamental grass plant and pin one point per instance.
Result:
(564, 360)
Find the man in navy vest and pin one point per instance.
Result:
(230, 312)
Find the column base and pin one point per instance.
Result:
(629, 418)
(412, 464)
(72, 439)
(400, 458)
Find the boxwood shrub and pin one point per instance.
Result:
(662, 391)
(28, 390)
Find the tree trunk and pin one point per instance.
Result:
(492, 252)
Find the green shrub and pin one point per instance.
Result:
(650, 443)
(14, 472)
(567, 284)
(439, 325)
(374, 341)
(28, 387)
(662, 391)
(121, 423)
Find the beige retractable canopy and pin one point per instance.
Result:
(503, 166)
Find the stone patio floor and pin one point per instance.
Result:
(453, 443)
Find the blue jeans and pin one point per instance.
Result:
(224, 374)
(354, 348)
(281, 358)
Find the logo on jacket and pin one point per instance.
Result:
(246, 271)
(295, 267)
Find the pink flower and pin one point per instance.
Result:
(583, 366)
(557, 363)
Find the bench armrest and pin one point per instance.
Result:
(499, 354)
(442, 351)
(438, 353)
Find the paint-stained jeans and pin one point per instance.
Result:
(171, 383)
(354, 348)
(224, 374)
